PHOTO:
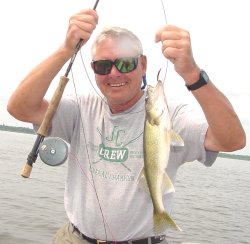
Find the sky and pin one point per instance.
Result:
(32, 30)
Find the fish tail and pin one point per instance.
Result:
(162, 221)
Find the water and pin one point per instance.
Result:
(212, 205)
(31, 209)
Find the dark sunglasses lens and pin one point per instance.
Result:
(126, 65)
(102, 67)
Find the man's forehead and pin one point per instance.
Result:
(121, 45)
(125, 44)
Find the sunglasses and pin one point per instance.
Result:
(123, 65)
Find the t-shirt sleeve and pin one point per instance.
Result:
(63, 122)
(190, 123)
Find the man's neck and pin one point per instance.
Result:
(119, 108)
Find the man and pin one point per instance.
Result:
(112, 206)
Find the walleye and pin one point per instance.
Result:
(156, 145)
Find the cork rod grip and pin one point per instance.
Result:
(26, 171)
(45, 126)
(53, 105)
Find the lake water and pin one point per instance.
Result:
(212, 205)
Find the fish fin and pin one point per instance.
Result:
(176, 139)
(143, 181)
(167, 185)
(162, 221)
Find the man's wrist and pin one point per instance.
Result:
(192, 77)
(201, 81)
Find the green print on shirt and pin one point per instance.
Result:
(119, 153)
(111, 154)
(115, 136)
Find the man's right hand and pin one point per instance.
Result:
(27, 102)
(81, 26)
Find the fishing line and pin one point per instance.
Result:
(96, 91)
(90, 81)
(88, 77)
(166, 22)
(92, 184)
(78, 47)
(164, 11)
(84, 134)
(88, 156)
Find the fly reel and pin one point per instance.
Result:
(53, 151)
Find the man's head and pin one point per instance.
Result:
(119, 65)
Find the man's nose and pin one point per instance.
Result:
(115, 71)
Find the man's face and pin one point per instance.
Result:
(122, 90)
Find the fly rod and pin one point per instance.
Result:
(43, 130)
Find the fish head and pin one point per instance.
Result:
(155, 101)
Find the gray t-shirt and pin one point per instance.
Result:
(106, 159)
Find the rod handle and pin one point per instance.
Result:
(46, 123)
(26, 171)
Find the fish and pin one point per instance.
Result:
(157, 138)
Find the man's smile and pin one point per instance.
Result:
(117, 84)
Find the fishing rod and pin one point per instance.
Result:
(43, 130)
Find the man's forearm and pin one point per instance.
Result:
(28, 98)
(226, 132)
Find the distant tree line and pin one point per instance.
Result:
(234, 156)
(17, 129)
(31, 131)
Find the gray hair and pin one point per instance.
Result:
(117, 33)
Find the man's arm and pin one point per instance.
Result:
(225, 132)
(27, 103)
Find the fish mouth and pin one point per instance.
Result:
(150, 97)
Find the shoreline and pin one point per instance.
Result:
(17, 129)
(27, 130)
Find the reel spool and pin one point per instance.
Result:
(53, 151)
